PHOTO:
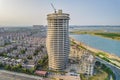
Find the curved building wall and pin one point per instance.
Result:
(58, 40)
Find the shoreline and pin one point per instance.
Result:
(88, 47)
(105, 37)
(94, 34)
(110, 56)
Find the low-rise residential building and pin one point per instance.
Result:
(10, 61)
(87, 63)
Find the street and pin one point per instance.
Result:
(8, 75)
(116, 70)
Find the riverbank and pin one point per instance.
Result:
(101, 33)
(115, 36)
(102, 54)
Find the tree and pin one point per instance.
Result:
(1, 65)
(24, 70)
(43, 63)
(30, 71)
(97, 63)
(14, 68)
(22, 51)
(29, 57)
(7, 67)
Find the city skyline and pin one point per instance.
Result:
(30, 12)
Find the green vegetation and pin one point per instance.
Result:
(110, 35)
(82, 47)
(36, 52)
(17, 68)
(29, 57)
(43, 63)
(83, 77)
(101, 53)
(85, 31)
(116, 60)
(4, 54)
(108, 70)
(105, 57)
(100, 76)
(103, 67)
(7, 44)
(72, 43)
(98, 33)
(22, 52)
(79, 46)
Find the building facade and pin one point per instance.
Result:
(87, 64)
(57, 42)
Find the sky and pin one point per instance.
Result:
(82, 12)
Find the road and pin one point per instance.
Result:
(8, 75)
(115, 69)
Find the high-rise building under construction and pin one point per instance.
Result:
(58, 40)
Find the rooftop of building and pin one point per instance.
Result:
(58, 14)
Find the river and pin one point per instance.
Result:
(104, 44)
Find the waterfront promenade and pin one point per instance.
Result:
(94, 50)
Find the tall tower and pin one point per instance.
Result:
(58, 40)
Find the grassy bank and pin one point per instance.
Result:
(86, 31)
(115, 36)
(106, 57)
(101, 33)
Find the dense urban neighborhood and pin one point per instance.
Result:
(22, 50)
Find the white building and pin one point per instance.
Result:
(87, 64)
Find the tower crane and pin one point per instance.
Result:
(53, 7)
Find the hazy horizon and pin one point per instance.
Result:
(82, 12)
(69, 25)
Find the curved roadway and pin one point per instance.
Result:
(115, 69)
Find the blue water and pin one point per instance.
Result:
(107, 45)
(103, 28)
